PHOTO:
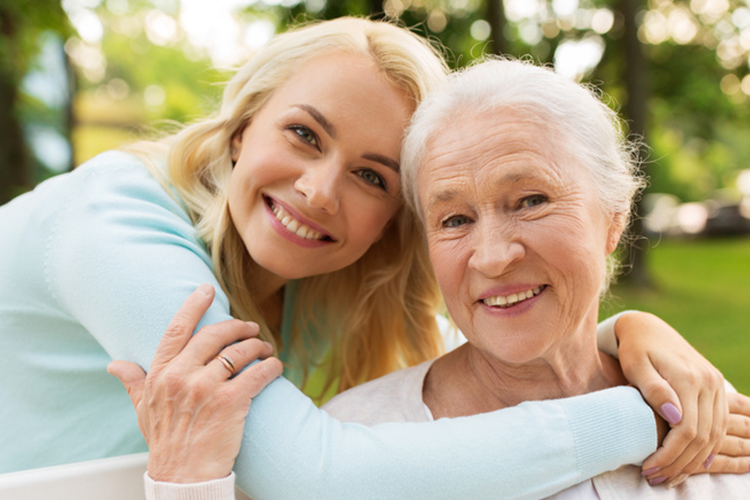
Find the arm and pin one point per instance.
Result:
(679, 383)
(124, 264)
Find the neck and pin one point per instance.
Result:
(267, 290)
(469, 381)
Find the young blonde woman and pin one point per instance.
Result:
(288, 203)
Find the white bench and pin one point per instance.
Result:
(115, 478)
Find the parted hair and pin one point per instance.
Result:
(379, 313)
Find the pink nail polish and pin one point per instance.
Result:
(657, 480)
(671, 413)
(709, 460)
(652, 470)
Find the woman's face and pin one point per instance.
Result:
(516, 235)
(316, 179)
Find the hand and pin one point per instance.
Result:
(734, 452)
(682, 386)
(191, 409)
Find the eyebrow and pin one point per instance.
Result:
(440, 197)
(318, 117)
(450, 194)
(383, 160)
(331, 130)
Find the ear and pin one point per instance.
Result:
(614, 232)
(236, 144)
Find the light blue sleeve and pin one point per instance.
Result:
(126, 256)
(605, 334)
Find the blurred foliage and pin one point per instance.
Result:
(22, 25)
(703, 291)
(133, 77)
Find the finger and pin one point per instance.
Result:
(256, 377)
(671, 455)
(238, 356)
(724, 464)
(212, 339)
(712, 413)
(656, 391)
(739, 426)
(695, 431)
(131, 376)
(734, 446)
(182, 326)
(738, 403)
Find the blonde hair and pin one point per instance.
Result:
(378, 313)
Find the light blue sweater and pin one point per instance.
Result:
(93, 264)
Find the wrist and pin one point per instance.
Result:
(626, 321)
(186, 471)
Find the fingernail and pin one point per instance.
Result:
(268, 344)
(657, 480)
(205, 289)
(709, 461)
(671, 413)
(652, 470)
(678, 480)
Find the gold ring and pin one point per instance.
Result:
(227, 362)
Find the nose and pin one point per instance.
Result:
(319, 184)
(496, 247)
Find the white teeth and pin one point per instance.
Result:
(513, 298)
(294, 225)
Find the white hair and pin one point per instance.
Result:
(573, 110)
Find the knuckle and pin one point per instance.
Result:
(251, 349)
(689, 433)
(701, 439)
(200, 389)
(170, 382)
(744, 428)
(692, 378)
(717, 378)
(177, 327)
(223, 399)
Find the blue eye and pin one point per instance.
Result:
(455, 221)
(372, 177)
(533, 201)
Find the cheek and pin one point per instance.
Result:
(370, 220)
(448, 263)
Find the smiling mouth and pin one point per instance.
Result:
(294, 226)
(514, 298)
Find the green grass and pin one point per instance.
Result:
(702, 288)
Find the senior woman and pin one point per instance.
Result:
(524, 187)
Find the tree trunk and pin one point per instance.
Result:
(496, 18)
(636, 111)
(376, 9)
(14, 161)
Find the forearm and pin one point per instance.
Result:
(293, 450)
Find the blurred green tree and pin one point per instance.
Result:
(21, 26)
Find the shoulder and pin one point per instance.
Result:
(116, 190)
(396, 397)
(117, 176)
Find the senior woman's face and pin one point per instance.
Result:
(516, 235)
